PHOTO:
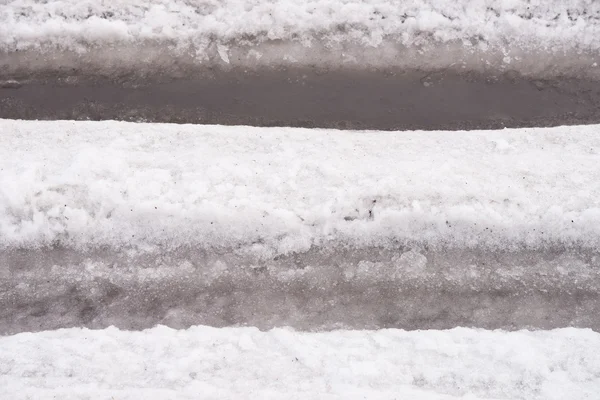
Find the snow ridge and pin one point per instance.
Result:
(272, 191)
(536, 38)
(70, 24)
(235, 363)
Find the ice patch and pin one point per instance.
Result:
(223, 53)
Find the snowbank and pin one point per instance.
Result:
(555, 24)
(532, 37)
(276, 191)
(239, 363)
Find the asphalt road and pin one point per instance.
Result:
(309, 97)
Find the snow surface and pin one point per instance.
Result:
(244, 363)
(276, 191)
(506, 34)
(70, 23)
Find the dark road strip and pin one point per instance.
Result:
(382, 100)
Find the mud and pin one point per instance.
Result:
(308, 97)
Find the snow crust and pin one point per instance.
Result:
(243, 363)
(507, 34)
(270, 191)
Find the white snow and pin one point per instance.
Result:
(508, 34)
(245, 363)
(280, 190)
(68, 23)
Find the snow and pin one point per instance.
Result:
(274, 191)
(508, 34)
(240, 363)
(66, 23)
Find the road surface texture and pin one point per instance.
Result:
(310, 97)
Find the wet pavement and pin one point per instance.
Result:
(309, 97)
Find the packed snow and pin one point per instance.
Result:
(244, 363)
(273, 191)
(508, 34)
